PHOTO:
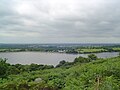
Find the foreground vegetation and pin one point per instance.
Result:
(89, 73)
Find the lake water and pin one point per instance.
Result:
(46, 57)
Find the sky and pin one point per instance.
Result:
(59, 21)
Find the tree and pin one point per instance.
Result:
(92, 57)
(61, 63)
(81, 60)
(3, 68)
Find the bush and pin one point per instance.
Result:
(92, 57)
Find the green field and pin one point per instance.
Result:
(91, 50)
(116, 49)
(10, 50)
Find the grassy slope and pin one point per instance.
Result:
(103, 74)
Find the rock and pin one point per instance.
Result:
(38, 80)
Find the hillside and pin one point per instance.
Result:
(100, 74)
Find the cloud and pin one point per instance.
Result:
(42, 21)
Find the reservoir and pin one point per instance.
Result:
(46, 57)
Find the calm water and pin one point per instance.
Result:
(45, 57)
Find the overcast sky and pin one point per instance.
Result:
(59, 21)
